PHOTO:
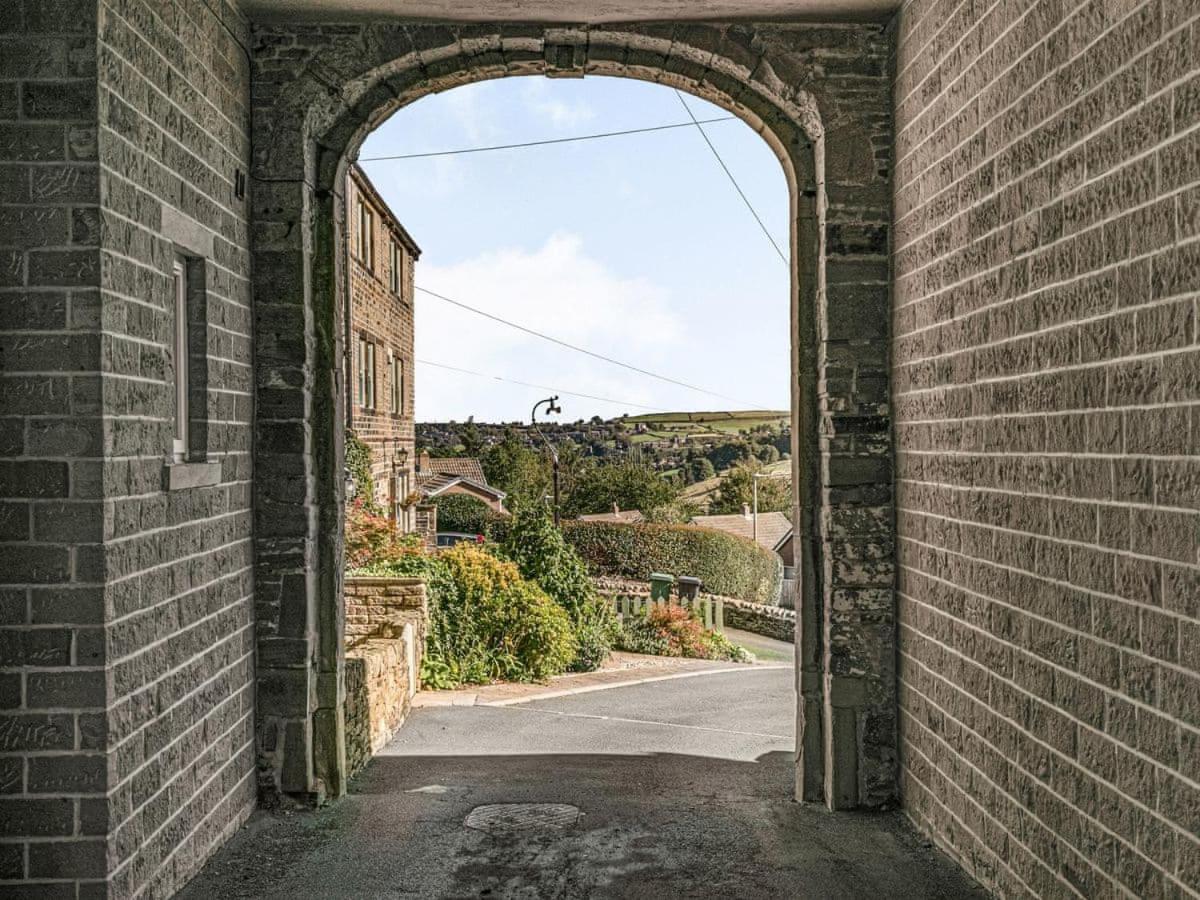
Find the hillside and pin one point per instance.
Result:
(690, 446)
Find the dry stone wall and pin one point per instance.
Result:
(1046, 374)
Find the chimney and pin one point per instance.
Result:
(423, 461)
(746, 510)
(616, 508)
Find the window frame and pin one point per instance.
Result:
(396, 374)
(396, 273)
(369, 368)
(180, 351)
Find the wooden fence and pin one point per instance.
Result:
(709, 610)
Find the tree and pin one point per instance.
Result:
(516, 469)
(736, 490)
(470, 438)
(700, 468)
(629, 485)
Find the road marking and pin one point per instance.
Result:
(567, 715)
(587, 689)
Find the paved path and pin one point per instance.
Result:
(670, 789)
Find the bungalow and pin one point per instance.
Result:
(618, 515)
(774, 530)
(440, 476)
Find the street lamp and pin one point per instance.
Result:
(552, 407)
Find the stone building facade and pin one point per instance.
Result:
(996, 269)
(380, 383)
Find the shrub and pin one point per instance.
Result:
(486, 623)
(462, 512)
(537, 548)
(727, 564)
(670, 630)
(373, 539)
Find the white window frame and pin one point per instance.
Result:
(179, 439)
(397, 376)
(365, 226)
(369, 366)
(360, 372)
(396, 262)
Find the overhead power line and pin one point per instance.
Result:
(540, 387)
(583, 350)
(757, 218)
(565, 140)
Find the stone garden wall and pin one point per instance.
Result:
(385, 639)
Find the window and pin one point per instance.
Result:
(396, 267)
(179, 442)
(364, 245)
(369, 386)
(366, 373)
(396, 375)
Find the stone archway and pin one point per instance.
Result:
(820, 97)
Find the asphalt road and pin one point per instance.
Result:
(672, 789)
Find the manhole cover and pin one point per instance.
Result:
(522, 816)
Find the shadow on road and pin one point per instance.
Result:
(657, 825)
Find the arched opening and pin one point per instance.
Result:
(845, 728)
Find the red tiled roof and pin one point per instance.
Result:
(773, 527)
(463, 466)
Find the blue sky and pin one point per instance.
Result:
(636, 247)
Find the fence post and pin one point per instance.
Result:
(720, 615)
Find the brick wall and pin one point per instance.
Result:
(1046, 383)
(385, 319)
(52, 650)
(177, 559)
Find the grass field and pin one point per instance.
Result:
(711, 422)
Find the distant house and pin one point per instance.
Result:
(379, 333)
(774, 530)
(440, 476)
(618, 515)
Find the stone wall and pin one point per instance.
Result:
(381, 607)
(53, 730)
(386, 622)
(821, 98)
(769, 621)
(174, 149)
(379, 689)
(1047, 378)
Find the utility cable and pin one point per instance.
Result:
(586, 352)
(700, 127)
(540, 387)
(565, 140)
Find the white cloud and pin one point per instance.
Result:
(559, 112)
(557, 289)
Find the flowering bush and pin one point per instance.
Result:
(486, 623)
(669, 630)
(373, 539)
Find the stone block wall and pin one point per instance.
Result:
(53, 735)
(1046, 375)
(173, 142)
(385, 638)
(381, 607)
(379, 689)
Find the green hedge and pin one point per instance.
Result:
(464, 513)
(727, 564)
